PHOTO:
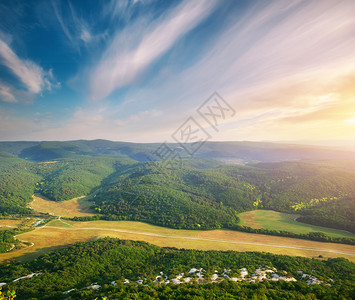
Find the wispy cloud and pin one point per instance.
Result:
(76, 29)
(280, 64)
(6, 93)
(122, 10)
(278, 41)
(279, 60)
(64, 26)
(135, 48)
(138, 117)
(276, 65)
(34, 78)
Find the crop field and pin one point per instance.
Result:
(273, 220)
(77, 207)
(59, 233)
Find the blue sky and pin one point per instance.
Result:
(136, 70)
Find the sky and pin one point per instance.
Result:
(138, 70)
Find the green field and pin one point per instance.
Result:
(273, 220)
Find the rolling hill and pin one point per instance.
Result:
(210, 198)
(236, 152)
(195, 194)
(199, 194)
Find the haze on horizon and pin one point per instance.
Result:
(135, 70)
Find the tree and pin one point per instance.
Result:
(8, 296)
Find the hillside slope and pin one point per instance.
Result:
(198, 194)
(210, 198)
(105, 267)
(59, 180)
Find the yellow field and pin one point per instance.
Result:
(8, 224)
(59, 233)
(248, 219)
(77, 207)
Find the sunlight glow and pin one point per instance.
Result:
(351, 121)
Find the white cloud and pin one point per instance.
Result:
(6, 94)
(86, 36)
(278, 62)
(32, 76)
(75, 28)
(142, 116)
(65, 28)
(121, 10)
(265, 47)
(267, 65)
(136, 47)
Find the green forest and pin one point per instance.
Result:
(59, 180)
(204, 198)
(196, 194)
(241, 151)
(6, 240)
(102, 262)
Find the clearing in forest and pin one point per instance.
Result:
(8, 224)
(57, 234)
(273, 220)
(77, 207)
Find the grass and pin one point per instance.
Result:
(60, 233)
(136, 227)
(61, 223)
(77, 207)
(248, 219)
(80, 207)
(8, 224)
(273, 220)
(48, 238)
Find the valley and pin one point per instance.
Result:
(59, 233)
(182, 149)
(204, 205)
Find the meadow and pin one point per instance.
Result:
(268, 219)
(60, 233)
(76, 207)
(8, 224)
(273, 220)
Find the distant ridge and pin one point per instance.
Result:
(237, 152)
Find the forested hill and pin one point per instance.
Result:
(121, 269)
(210, 198)
(198, 194)
(58, 180)
(235, 152)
